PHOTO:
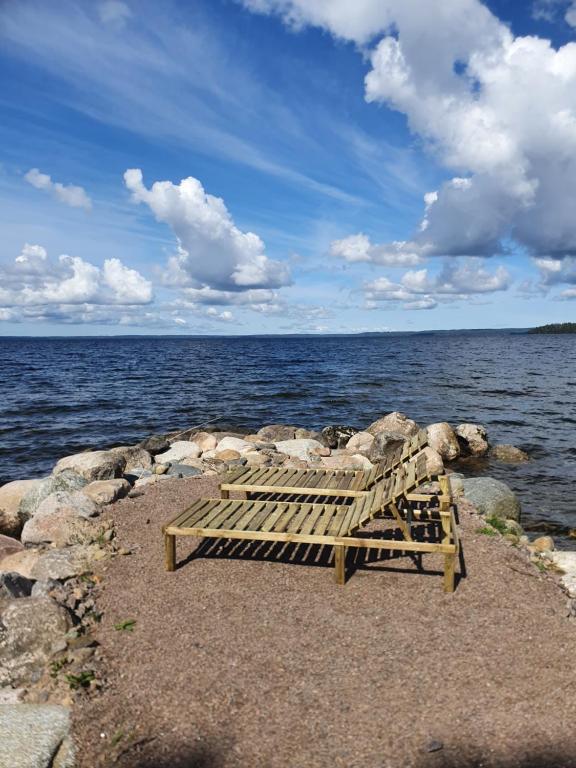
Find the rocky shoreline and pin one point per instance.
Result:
(53, 538)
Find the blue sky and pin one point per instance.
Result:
(286, 165)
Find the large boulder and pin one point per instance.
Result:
(107, 491)
(491, 497)
(63, 564)
(134, 456)
(93, 465)
(361, 442)
(434, 463)
(301, 449)
(20, 562)
(11, 496)
(65, 481)
(508, 454)
(347, 461)
(205, 441)
(35, 736)
(155, 444)
(234, 444)
(276, 432)
(472, 439)
(337, 435)
(8, 546)
(564, 560)
(179, 450)
(56, 519)
(443, 439)
(29, 627)
(394, 422)
(384, 444)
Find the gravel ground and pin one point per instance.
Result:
(243, 657)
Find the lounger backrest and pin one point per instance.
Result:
(400, 455)
(403, 480)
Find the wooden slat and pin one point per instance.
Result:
(277, 510)
(299, 518)
(282, 523)
(324, 520)
(199, 511)
(311, 519)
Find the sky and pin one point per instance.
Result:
(286, 166)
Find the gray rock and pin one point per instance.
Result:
(93, 465)
(106, 491)
(44, 587)
(65, 481)
(337, 435)
(384, 444)
(183, 470)
(63, 564)
(491, 497)
(56, 519)
(13, 586)
(472, 439)
(155, 444)
(138, 473)
(276, 432)
(134, 456)
(395, 422)
(29, 627)
(509, 454)
(35, 736)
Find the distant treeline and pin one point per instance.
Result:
(555, 328)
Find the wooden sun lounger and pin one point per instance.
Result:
(320, 482)
(337, 525)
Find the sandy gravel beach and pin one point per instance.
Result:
(237, 659)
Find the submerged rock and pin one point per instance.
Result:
(443, 439)
(509, 454)
(394, 422)
(35, 736)
(11, 496)
(472, 439)
(491, 497)
(93, 465)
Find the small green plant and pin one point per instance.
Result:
(487, 530)
(56, 666)
(82, 680)
(125, 626)
(497, 523)
(118, 736)
(541, 566)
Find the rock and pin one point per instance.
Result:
(442, 438)
(514, 527)
(134, 456)
(239, 462)
(395, 422)
(293, 463)
(205, 441)
(181, 449)
(434, 463)
(151, 480)
(29, 627)
(309, 434)
(508, 453)
(257, 459)
(161, 469)
(491, 497)
(11, 496)
(234, 444)
(336, 436)
(35, 736)
(384, 444)
(65, 481)
(227, 455)
(183, 470)
(13, 586)
(568, 581)
(8, 546)
(56, 517)
(362, 462)
(299, 449)
(542, 544)
(472, 439)
(274, 433)
(20, 562)
(361, 442)
(93, 465)
(214, 465)
(564, 561)
(65, 563)
(139, 472)
(345, 461)
(106, 491)
(155, 444)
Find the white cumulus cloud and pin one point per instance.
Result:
(212, 251)
(69, 194)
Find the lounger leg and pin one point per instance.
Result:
(449, 568)
(340, 564)
(224, 494)
(170, 550)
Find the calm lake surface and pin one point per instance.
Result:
(59, 396)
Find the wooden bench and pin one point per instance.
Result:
(336, 525)
(320, 482)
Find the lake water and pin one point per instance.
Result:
(59, 396)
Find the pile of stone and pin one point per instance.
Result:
(51, 534)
